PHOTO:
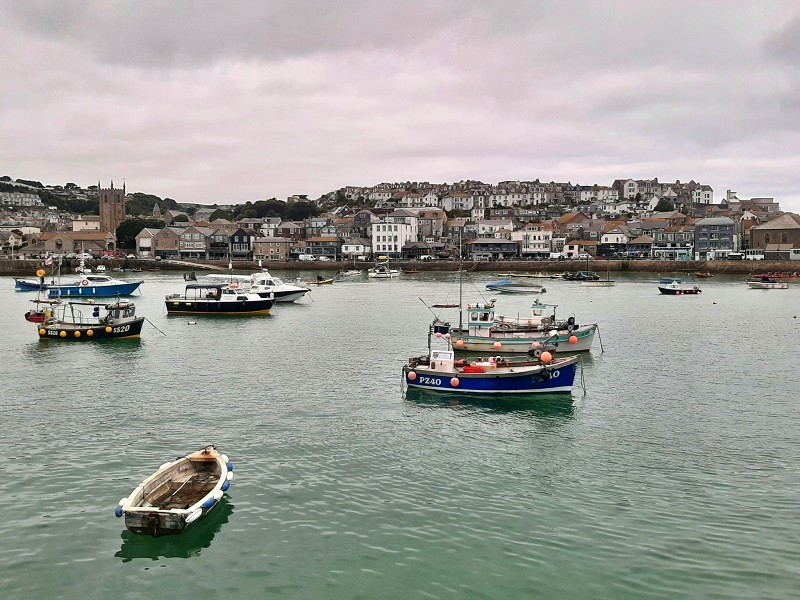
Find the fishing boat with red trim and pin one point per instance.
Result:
(539, 372)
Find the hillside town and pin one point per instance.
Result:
(628, 219)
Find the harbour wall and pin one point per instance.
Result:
(28, 267)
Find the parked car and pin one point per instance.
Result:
(584, 256)
(305, 257)
(324, 259)
(131, 256)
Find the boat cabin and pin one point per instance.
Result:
(214, 291)
(121, 310)
(443, 360)
(480, 318)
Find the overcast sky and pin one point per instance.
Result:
(234, 101)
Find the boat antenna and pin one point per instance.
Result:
(435, 316)
(460, 281)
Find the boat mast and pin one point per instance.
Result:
(460, 282)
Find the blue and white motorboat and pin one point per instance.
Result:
(93, 286)
(668, 280)
(515, 287)
(539, 372)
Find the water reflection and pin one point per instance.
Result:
(47, 347)
(543, 406)
(184, 545)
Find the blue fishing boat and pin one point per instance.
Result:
(94, 286)
(539, 372)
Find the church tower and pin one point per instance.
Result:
(112, 207)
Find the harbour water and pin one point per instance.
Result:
(676, 474)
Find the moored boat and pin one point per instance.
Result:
(705, 275)
(382, 271)
(217, 299)
(178, 494)
(540, 372)
(77, 320)
(676, 289)
(668, 280)
(320, 280)
(516, 287)
(483, 334)
(581, 276)
(265, 285)
(94, 286)
(765, 283)
(778, 275)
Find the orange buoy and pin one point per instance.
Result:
(547, 358)
(573, 339)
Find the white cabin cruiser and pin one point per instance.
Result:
(266, 285)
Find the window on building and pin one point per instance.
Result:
(784, 238)
(766, 238)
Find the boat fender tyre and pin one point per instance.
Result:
(530, 351)
(555, 374)
(194, 516)
(545, 375)
(85, 282)
(571, 320)
(536, 352)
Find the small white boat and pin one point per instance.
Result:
(178, 494)
(767, 284)
(383, 272)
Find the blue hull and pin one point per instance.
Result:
(560, 380)
(93, 291)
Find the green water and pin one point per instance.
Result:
(677, 474)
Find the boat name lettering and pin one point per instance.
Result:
(430, 380)
(121, 329)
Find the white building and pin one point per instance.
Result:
(392, 232)
(535, 239)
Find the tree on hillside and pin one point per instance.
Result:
(298, 211)
(141, 204)
(180, 219)
(130, 228)
(31, 183)
(664, 205)
(220, 214)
